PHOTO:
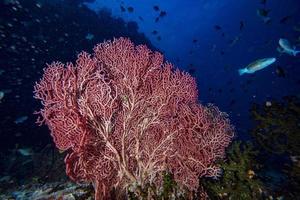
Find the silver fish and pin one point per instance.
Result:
(286, 47)
(257, 65)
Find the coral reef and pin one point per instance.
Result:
(124, 117)
(239, 179)
(277, 132)
(277, 129)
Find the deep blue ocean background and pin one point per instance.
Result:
(211, 39)
(190, 40)
(37, 32)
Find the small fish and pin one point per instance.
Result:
(286, 47)
(234, 41)
(268, 103)
(295, 158)
(89, 36)
(263, 2)
(25, 151)
(217, 27)
(130, 9)
(257, 65)
(122, 9)
(285, 19)
(156, 8)
(154, 32)
(242, 25)
(2, 94)
(21, 119)
(38, 5)
(263, 14)
(266, 20)
(162, 13)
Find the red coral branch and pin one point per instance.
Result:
(126, 116)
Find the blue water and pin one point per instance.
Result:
(195, 20)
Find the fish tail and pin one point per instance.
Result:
(266, 20)
(295, 53)
(242, 71)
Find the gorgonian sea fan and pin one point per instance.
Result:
(125, 115)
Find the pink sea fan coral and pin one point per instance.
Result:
(125, 115)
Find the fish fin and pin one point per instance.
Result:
(267, 20)
(242, 71)
(280, 50)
